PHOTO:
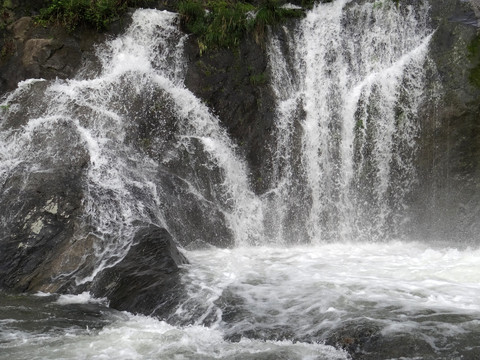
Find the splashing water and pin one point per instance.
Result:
(144, 66)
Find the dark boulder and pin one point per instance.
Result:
(147, 279)
(364, 340)
(356, 338)
(41, 206)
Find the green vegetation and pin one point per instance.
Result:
(219, 23)
(72, 13)
(5, 14)
(359, 124)
(216, 23)
(474, 55)
(270, 13)
(225, 23)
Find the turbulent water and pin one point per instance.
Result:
(316, 272)
(405, 300)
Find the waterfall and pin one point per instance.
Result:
(154, 152)
(348, 81)
(92, 167)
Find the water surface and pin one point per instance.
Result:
(396, 300)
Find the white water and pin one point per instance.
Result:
(138, 337)
(348, 87)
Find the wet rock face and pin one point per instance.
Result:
(446, 201)
(146, 280)
(235, 85)
(44, 202)
(191, 218)
(31, 51)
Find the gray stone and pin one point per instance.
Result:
(21, 27)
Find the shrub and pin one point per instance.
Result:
(72, 13)
(225, 23)
(216, 23)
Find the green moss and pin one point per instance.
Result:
(359, 124)
(475, 76)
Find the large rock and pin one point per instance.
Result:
(194, 217)
(41, 206)
(29, 50)
(147, 279)
(32, 51)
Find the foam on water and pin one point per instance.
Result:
(271, 302)
(147, 338)
(400, 288)
(83, 298)
(138, 337)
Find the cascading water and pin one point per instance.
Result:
(348, 81)
(123, 185)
